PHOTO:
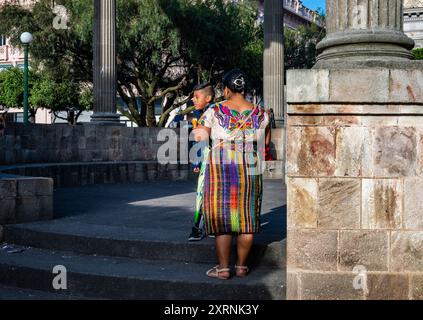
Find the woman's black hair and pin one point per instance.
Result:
(235, 80)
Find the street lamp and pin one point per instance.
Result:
(26, 39)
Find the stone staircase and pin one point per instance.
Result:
(108, 256)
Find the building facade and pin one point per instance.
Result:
(295, 14)
(413, 21)
(10, 56)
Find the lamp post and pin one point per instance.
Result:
(26, 39)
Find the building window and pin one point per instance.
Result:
(2, 40)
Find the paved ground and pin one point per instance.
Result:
(129, 241)
(157, 206)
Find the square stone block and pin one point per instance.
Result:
(8, 188)
(27, 187)
(292, 283)
(46, 207)
(311, 151)
(329, 286)
(44, 186)
(413, 203)
(364, 248)
(407, 251)
(382, 203)
(361, 85)
(312, 249)
(27, 209)
(302, 202)
(387, 287)
(10, 156)
(298, 91)
(395, 152)
(339, 203)
(417, 286)
(406, 86)
(7, 211)
(349, 151)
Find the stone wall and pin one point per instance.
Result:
(77, 174)
(60, 143)
(64, 143)
(355, 184)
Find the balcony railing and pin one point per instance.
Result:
(297, 7)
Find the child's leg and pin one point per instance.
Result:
(198, 220)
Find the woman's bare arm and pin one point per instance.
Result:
(202, 133)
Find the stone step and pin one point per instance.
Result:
(125, 278)
(15, 293)
(142, 243)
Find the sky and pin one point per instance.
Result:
(314, 4)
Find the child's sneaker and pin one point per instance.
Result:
(196, 234)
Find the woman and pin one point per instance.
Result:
(233, 182)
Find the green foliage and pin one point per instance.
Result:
(45, 92)
(418, 53)
(165, 47)
(11, 88)
(300, 46)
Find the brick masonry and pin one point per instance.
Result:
(354, 184)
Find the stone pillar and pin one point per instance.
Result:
(355, 162)
(273, 59)
(364, 33)
(104, 64)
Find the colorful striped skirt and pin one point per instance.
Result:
(233, 189)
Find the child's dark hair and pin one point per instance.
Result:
(235, 80)
(206, 87)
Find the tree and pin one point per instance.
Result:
(300, 46)
(165, 47)
(418, 53)
(61, 58)
(45, 92)
(11, 88)
(60, 95)
(218, 36)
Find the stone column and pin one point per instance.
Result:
(273, 59)
(355, 161)
(364, 32)
(104, 67)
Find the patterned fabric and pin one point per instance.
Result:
(233, 187)
(200, 187)
(226, 122)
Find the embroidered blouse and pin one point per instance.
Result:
(230, 124)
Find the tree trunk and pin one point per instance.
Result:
(151, 118)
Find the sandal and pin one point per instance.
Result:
(244, 272)
(215, 271)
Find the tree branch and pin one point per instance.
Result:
(168, 90)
